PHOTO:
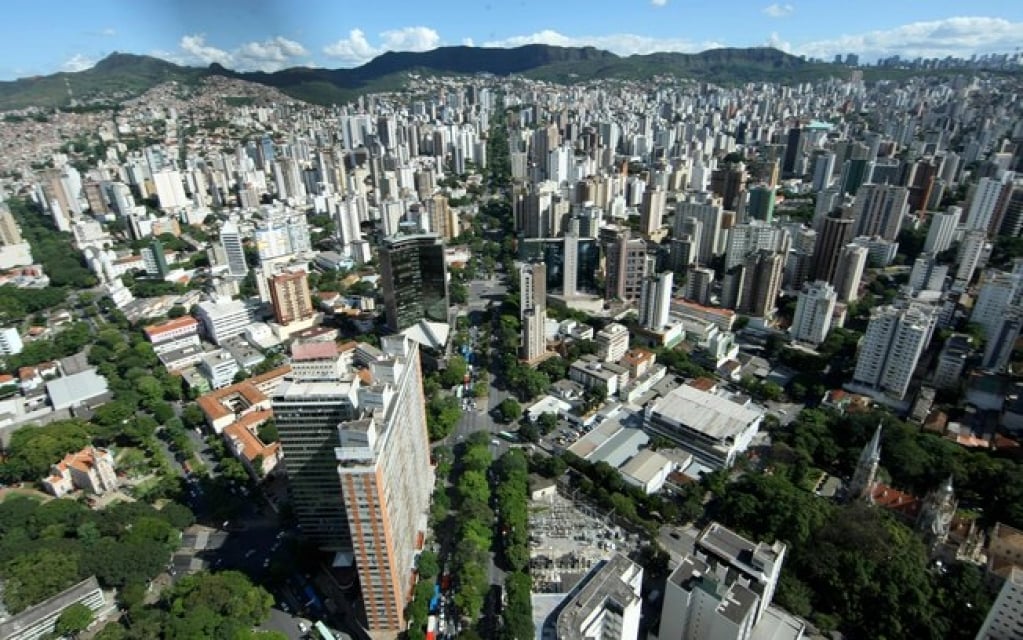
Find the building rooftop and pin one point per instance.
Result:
(711, 415)
(48, 607)
(215, 403)
(644, 466)
(611, 584)
(156, 330)
(317, 350)
(737, 550)
(71, 390)
(242, 432)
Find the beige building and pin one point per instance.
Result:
(290, 296)
(91, 470)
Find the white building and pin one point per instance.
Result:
(724, 589)
(891, 348)
(647, 470)
(219, 367)
(90, 469)
(10, 341)
(231, 241)
(655, 301)
(814, 309)
(987, 196)
(714, 429)
(612, 342)
(942, 230)
(224, 319)
(1005, 619)
(605, 605)
(170, 191)
(1000, 290)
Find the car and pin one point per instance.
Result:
(249, 553)
(284, 607)
(266, 563)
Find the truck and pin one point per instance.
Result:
(322, 632)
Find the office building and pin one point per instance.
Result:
(927, 274)
(321, 392)
(612, 342)
(605, 605)
(413, 275)
(1005, 619)
(823, 168)
(713, 429)
(942, 231)
(655, 301)
(222, 319)
(761, 284)
(999, 292)
(9, 231)
(290, 297)
(383, 463)
(728, 182)
(570, 267)
(878, 210)
(761, 203)
(533, 309)
(626, 267)
(999, 347)
(154, 261)
(757, 235)
(708, 210)
(234, 251)
(891, 348)
(724, 589)
(815, 308)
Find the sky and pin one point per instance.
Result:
(44, 36)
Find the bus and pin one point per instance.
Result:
(509, 436)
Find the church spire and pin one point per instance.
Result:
(866, 470)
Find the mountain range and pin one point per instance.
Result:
(122, 75)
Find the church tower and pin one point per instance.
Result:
(935, 520)
(866, 469)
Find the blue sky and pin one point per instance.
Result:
(44, 36)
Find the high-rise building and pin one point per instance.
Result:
(971, 249)
(761, 203)
(626, 267)
(9, 231)
(834, 234)
(998, 349)
(413, 275)
(383, 462)
(948, 372)
(709, 211)
(942, 230)
(823, 168)
(651, 210)
(1004, 621)
(153, 260)
(606, 605)
(762, 283)
(533, 309)
(728, 182)
(290, 297)
(569, 280)
(987, 204)
(234, 249)
(321, 393)
(878, 210)
(655, 301)
(814, 310)
(722, 589)
(891, 348)
(998, 292)
(793, 149)
(699, 281)
(927, 274)
(612, 342)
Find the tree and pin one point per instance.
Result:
(74, 620)
(428, 565)
(509, 410)
(268, 432)
(454, 373)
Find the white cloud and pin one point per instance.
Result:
(778, 10)
(961, 36)
(78, 62)
(658, 3)
(467, 42)
(621, 43)
(356, 48)
(774, 40)
(109, 32)
(269, 55)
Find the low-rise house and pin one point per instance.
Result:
(242, 437)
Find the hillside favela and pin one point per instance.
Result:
(667, 321)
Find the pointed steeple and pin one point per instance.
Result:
(863, 479)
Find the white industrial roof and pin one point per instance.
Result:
(710, 414)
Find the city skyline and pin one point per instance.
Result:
(270, 35)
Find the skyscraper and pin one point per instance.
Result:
(626, 267)
(231, 241)
(762, 283)
(852, 260)
(761, 203)
(383, 463)
(290, 297)
(651, 210)
(698, 284)
(655, 301)
(533, 305)
(153, 260)
(709, 211)
(321, 392)
(987, 204)
(891, 348)
(814, 309)
(878, 210)
(413, 275)
(942, 230)
(834, 234)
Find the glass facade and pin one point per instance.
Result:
(552, 252)
(414, 280)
